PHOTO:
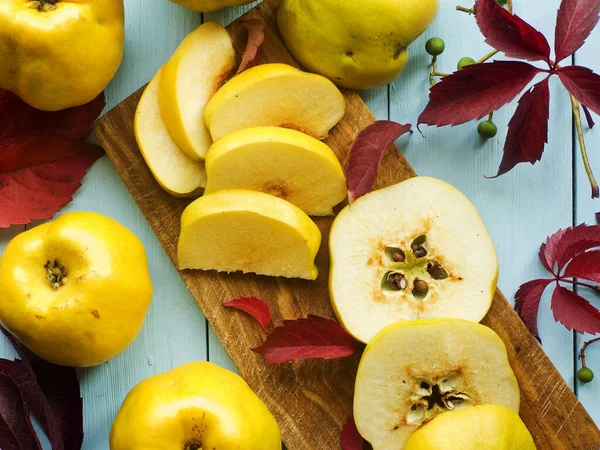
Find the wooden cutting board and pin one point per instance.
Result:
(312, 399)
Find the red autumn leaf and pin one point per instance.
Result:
(583, 84)
(475, 91)
(256, 307)
(585, 265)
(351, 438)
(366, 153)
(509, 33)
(528, 128)
(16, 429)
(575, 241)
(256, 37)
(55, 400)
(549, 250)
(527, 303)
(313, 337)
(575, 21)
(574, 312)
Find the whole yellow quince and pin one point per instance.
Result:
(209, 5)
(56, 54)
(75, 291)
(356, 44)
(196, 406)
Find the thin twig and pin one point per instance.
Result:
(586, 162)
(510, 6)
(434, 72)
(466, 10)
(584, 348)
(488, 56)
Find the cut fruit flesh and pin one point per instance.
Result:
(248, 231)
(489, 427)
(190, 78)
(281, 162)
(414, 370)
(414, 250)
(275, 95)
(172, 169)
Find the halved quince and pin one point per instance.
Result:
(248, 231)
(412, 371)
(281, 162)
(414, 250)
(275, 95)
(172, 169)
(190, 78)
(489, 427)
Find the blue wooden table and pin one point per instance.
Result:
(520, 209)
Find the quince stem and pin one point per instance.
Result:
(584, 348)
(586, 163)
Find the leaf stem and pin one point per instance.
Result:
(579, 283)
(510, 6)
(466, 10)
(586, 162)
(488, 56)
(584, 348)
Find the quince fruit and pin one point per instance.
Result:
(75, 291)
(173, 170)
(248, 231)
(489, 427)
(189, 79)
(356, 44)
(279, 161)
(414, 371)
(193, 407)
(56, 54)
(209, 5)
(275, 95)
(414, 250)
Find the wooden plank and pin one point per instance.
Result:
(312, 399)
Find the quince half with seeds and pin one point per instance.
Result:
(275, 95)
(248, 231)
(281, 162)
(414, 371)
(414, 250)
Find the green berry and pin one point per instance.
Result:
(502, 2)
(466, 61)
(435, 46)
(487, 129)
(585, 375)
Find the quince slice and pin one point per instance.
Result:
(275, 95)
(489, 427)
(190, 78)
(414, 250)
(281, 162)
(413, 371)
(172, 169)
(248, 231)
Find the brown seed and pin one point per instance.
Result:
(419, 251)
(399, 256)
(420, 286)
(436, 271)
(398, 280)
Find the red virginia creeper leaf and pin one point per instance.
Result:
(527, 303)
(588, 117)
(549, 249)
(509, 33)
(528, 128)
(256, 307)
(351, 438)
(18, 117)
(48, 181)
(583, 84)
(366, 153)
(256, 37)
(16, 429)
(575, 241)
(313, 337)
(59, 407)
(575, 21)
(575, 312)
(585, 265)
(475, 91)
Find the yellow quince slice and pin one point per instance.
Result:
(190, 78)
(248, 231)
(489, 427)
(173, 169)
(279, 161)
(275, 95)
